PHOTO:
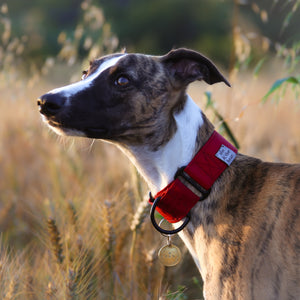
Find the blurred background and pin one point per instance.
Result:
(73, 217)
(153, 26)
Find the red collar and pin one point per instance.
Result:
(176, 199)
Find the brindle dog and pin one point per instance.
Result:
(245, 237)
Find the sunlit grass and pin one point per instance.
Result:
(73, 217)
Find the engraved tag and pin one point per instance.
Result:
(226, 155)
(169, 255)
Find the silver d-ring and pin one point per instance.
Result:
(158, 228)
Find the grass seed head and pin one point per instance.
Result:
(55, 240)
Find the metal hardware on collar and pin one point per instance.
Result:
(180, 173)
(156, 226)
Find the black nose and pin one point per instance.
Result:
(50, 104)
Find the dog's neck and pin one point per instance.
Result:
(159, 167)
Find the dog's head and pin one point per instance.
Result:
(127, 98)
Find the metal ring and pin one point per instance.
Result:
(159, 225)
(158, 228)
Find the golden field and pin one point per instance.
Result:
(74, 218)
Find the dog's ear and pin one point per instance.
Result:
(186, 66)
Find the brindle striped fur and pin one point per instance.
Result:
(247, 233)
(245, 237)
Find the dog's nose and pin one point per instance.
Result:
(50, 104)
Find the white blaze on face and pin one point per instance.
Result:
(74, 88)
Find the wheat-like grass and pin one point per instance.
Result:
(51, 291)
(55, 240)
(108, 230)
(11, 290)
(71, 285)
(140, 215)
(73, 215)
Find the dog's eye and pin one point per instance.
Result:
(84, 75)
(122, 81)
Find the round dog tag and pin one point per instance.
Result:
(169, 255)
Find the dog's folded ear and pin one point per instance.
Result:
(186, 66)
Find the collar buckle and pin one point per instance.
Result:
(180, 173)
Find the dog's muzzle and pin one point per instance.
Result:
(56, 114)
(50, 104)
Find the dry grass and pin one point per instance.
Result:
(73, 218)
(269, 131)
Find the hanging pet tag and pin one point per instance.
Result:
(169, 255)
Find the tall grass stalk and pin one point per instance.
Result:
(55, 239)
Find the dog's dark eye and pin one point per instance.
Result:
(84, 74)
(122, 81)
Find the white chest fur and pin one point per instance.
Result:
(159, 167)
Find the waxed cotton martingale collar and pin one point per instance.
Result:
(176, 200)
